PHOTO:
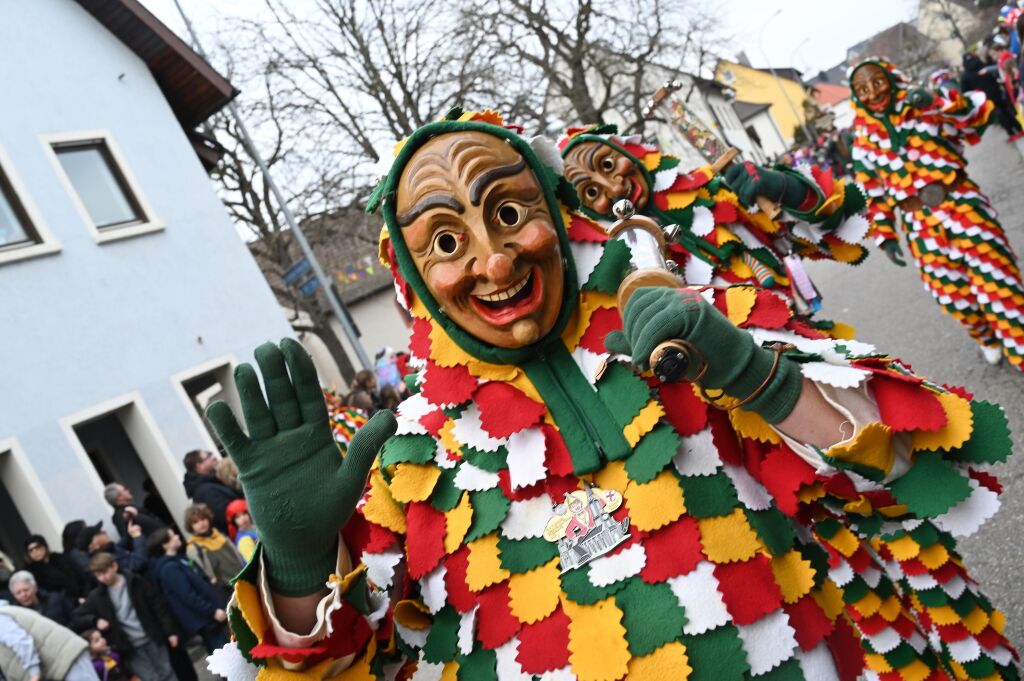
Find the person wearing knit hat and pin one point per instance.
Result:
(723, 237)
(241, 529)
(908, 158)
(729, 560)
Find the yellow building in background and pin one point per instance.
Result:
(761, 87)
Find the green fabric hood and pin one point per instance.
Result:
(557, 193)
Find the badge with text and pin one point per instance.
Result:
(584, 528)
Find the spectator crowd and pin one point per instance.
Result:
(130, 608)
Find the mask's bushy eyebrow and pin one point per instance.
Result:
(476, 189)
(574, 170)
(442, 200)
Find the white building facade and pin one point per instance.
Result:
(127, 296)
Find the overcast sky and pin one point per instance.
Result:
(810, 35)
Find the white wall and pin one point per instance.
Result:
(844, 114)
(733, 130)
(97, 321)
(380, 323)
(772, 141)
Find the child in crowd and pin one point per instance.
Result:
(212, 551)
(190, 596)
(106, 661)
(240, 526)
(133, 615)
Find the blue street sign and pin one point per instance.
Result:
(309, 287)
(296, 272)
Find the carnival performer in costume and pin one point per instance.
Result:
(908, 156)
(721, 239)
(345, 419)
(604, 167)
(720, 497)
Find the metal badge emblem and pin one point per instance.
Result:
(583, 527)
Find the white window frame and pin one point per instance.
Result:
(150, 222)
(178, 383)
(32, 500)
(47, 244)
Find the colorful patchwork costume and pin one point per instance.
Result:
(742, 560)
(908, 157)
(345, 419)
(723, 241)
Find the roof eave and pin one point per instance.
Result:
(193, 88)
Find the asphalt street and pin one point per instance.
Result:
(890, 308)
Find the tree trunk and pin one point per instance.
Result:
(322, 328)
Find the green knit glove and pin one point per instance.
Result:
(920, 98)
(735, 363)
(750, 181)
(891, 248)
(299, 488)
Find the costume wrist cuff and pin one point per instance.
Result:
(779, 396)
(805, 194)
(300, 573)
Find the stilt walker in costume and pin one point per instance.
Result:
(546, 510)
(908, 157)
(721, 240)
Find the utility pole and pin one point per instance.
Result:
(337, 307)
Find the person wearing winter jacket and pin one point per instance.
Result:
(192, 601)
(241, 528)
(212, 551)
(133, 616)
(33, 647)
(129, 551)
(55, 572)
(203, 487)
(105, 660)
(982, 77)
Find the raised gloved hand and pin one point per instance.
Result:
(920, 98)
(299, 488)
(750, 181)
(892, 249)
(735, 363)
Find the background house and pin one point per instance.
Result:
(761, 128)
(955, 25)
(345, 241)
(708, 102)
(117, 327)
(903, 44)
(834, 100)
(785, 94)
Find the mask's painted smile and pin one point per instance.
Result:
(513, 302)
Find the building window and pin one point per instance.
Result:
(23, 233)
(16, 229)
(99, 184)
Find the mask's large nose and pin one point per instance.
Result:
(499, 268)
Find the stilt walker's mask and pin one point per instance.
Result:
(878, 87)
(474, 227)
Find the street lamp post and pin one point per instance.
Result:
(337, 307)
(778, 81)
